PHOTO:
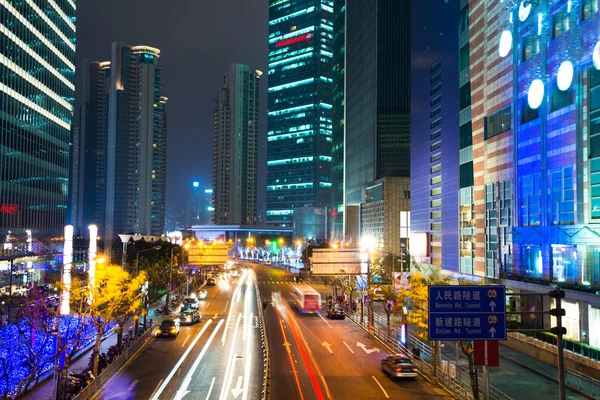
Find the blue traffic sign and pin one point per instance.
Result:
(467, 313)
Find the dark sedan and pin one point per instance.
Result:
(336, 312)
(211, 282)
(168, 328)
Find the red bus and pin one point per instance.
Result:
(307, 299)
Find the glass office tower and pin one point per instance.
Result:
(37, 65)
(300, 107)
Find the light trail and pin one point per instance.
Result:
(225, 387)
(181, 360)
(291, 361)
(188, 377)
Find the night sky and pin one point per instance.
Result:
(198, 40)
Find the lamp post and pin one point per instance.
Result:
(137, 257)
(137, 267)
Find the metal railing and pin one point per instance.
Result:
(114, 367)
(458, 383)
(266, 383)
(583, 383)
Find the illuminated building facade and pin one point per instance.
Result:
(535, 93)
(435, 133)
(37, 65)
(123, 144)
(377, 111)
(337, 151)
(299, 108)
(199, 210)
(235, 147)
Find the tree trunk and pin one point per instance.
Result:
(120, 338)
(473, 376)
(96, 353)
(433, 357)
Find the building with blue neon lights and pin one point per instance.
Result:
(37, 65)
(299, 108)
(535, 148)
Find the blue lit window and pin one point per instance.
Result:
(562, 196)
(530, 200)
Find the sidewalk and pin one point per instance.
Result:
(44, 389)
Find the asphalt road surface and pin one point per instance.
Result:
(218, 358)
(317, 358)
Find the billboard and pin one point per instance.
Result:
(338, 262)
(209, 254)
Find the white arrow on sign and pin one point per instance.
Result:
(238, 387)
(328, 347)
(492, 305)
(492, 331)
(287, 346)
(359, 344)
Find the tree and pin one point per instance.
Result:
(115, 296)
(37, 329)
(416, 299)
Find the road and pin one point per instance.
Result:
(218, 358)
(316, 358)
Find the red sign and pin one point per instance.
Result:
(10, 209)
(293, 40)
(493, 353)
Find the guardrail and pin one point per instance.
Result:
(458, 383)
(114, 367)
(583, 383)
(266, 384)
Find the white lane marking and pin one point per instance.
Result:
(226, 305)
(327, 346)
(185, 341)
(238, 387)
(324, 320)
(351, 351)
(216, 315)
(181, 360)
(188, 377)
(224, 389)
(207, 304)
(156, 388)
(212, 384)
(381, 387)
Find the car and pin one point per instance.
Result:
(267, 262)
(190, 317)
(378, 294)
(169, 327)
(190, 303)
(211, 282)
(202, 294)
(399, 366)
(336, 312)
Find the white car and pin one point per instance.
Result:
(202, 294)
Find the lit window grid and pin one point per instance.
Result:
(34, 128)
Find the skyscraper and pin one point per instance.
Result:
(435, 133)
(88, 171)
(37, 65)
(235, 147)
(377, 107)
(199, 210)
(122, 142)
(299, 107)
(337, 151)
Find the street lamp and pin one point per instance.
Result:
(137, 257)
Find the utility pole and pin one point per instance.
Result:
(559, 331)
